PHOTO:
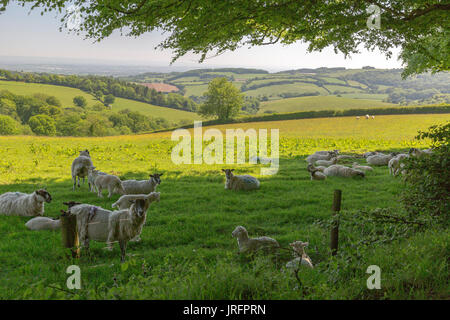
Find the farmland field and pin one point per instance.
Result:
(187, 251)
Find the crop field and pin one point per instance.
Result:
(187, 251)
(320, 103)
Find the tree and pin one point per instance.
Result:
(42, 125)
(223, 100)
(419, 27)
(8, 125)
(109, 99)
(80, 101)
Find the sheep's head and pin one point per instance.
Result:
(228, 173)
(70, 204)
(333, 153)
(85, 153)
(43, 195)
(156, 177)
(140, 206)
(239, 231)
(299, 246)
(154, 196)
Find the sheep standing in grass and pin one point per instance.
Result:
(23, 204)
(102, 225)
(80, 167)
(357, 166)
(142, 186)
(300, 256)
(92, 174)
(110, 182)
(244, 182)
(43, 223)
(327, 163)
(247, 245)
(315, 173)
(338, 170)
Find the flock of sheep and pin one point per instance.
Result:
(126, 223)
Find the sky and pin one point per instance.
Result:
(25, 34)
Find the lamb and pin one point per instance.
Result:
(380, 159)
(315, 173)
(94, 223)
(300, 256)
(327, 163)
(357, 166)
(23, 204)
(394, 164)
(92, 174)
(43, 223)
(342, 171)
(319, 156)
(112, 183)
(80, 167)
(247, 245)
(125, 201)
(243, 182)
(142, 186)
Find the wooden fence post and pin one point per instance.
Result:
(69, 233)
(335, 226)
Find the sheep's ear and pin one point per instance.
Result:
(223, 170)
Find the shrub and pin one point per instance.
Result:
(42, 125)
(80, 101)
(8, 125)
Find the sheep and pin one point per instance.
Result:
(380, 159)
(418, 153)
(357, 166)
(80, 167)
(342, 171)
(358, 117)
(142, 186)
(300, 256)
(394, 163)
(367, 117)
(23, 204)
(92, 174)
(320, 156)
(95, 223)
(373, 117)
(247, 245)
(327, 163)
(370, 153)
(43, 223)
(344, 157)
(336, 152)
(243, 182)
(315, 173)
(112, 183)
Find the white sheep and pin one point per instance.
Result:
(357, 166)
(300, 256)
(418, 153)
(110, 182)
(338, 170)
(94, 223)
(242, 182)
(142, 186)
(315, 173)
(23, 204)
(327, 163)
(247, 245)
(92, 174)
(370, 153)
(394, 163)
(320, 156)
(43, 223)
(336, 152)
(380, 159)
(344, 157)
(80, 167)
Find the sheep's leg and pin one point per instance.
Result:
(99, 192)
(78, 181)
(74, 179)
(123, 248)
(109, 241)
(109, 191)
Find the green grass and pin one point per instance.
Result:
(319, 103)
(187, 249)
(277, 90)
(66, 95)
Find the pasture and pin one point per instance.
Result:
(187, 251)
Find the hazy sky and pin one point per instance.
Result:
(32, 35)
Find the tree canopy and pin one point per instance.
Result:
(419, 27)
(223, 100)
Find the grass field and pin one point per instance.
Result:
(319, 103)
(187, 251)
(66, 95)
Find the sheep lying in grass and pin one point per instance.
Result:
(357, 166)
(380, 159)
(142, 186)
(80, 167)
(370, 153)
(23, 204)
(319, 156)
(300, 256)
(338, 170)
(336, 152)
(43, 223)
(247, 245)
(244, 182)
(94, 223)
(418, 153)
(110, 182)
(315, 173)
(327, 163)
(92, 174)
